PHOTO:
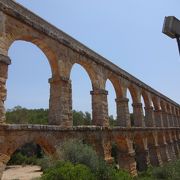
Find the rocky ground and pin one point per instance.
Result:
(21, 173)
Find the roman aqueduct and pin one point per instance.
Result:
(151, 139)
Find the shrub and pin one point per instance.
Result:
(110, 172)
(47, 162)
(77, 152)
(68, 171)
(19, 158)
(168, 172)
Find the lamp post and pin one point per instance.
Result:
(171, 28)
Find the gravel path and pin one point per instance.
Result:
(21, 172)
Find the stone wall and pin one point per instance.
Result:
(137, 148)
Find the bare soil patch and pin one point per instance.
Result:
(22, 172)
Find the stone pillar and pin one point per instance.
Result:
(103, 148)
(3, 161)
(123, 116)
(171, 149)
(178, 138)
(164, 153)
(165, 118)
(4, 62)
(175, 120)
(138, 115)
(178, 119)
(60, 103)
(158, 118)
(170, 119)
(149, 117)
(176, 146)
(100, 107)
(126, 160)
(155, 156)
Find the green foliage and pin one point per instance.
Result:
(112, 121)
(110, 172)
(19, 115)
(19, 159)
(30, 153)
(80, 118)
(47, 162)
(77, 152)
(68, 171)
(170, 171)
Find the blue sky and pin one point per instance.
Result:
(128, 33)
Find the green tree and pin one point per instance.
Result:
(20, 115)
(80, 118)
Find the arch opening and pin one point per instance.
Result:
(29, 72)
(143, 106)
(128, 95)
(81, 98)
(112, 110)
(26, 158)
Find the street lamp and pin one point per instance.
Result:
(171, 28)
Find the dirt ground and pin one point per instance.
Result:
(21, 172)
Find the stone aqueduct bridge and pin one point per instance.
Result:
(151, 139)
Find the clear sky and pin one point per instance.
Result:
(128, 33)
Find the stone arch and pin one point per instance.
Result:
(47, 51)
(116, 84)
(164, 113)
(177, 117)
(169, 112)
(157, 111)
(163, 147)
(134, 93)
(163, 105)
(146, 99)
(175, 143)
(86, 68)
(170, 146)
(168, 107)
(44, 143)
(173, 116)
(154, 154)
(141, 152)
(149, 109)
(11, 144)
(117, 88)
(99, 94)
(33, 67)
(138, 112)
(87, 65)
(125, 154)
(156, 103)
(24, 32)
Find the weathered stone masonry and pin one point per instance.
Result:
(153, 138)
